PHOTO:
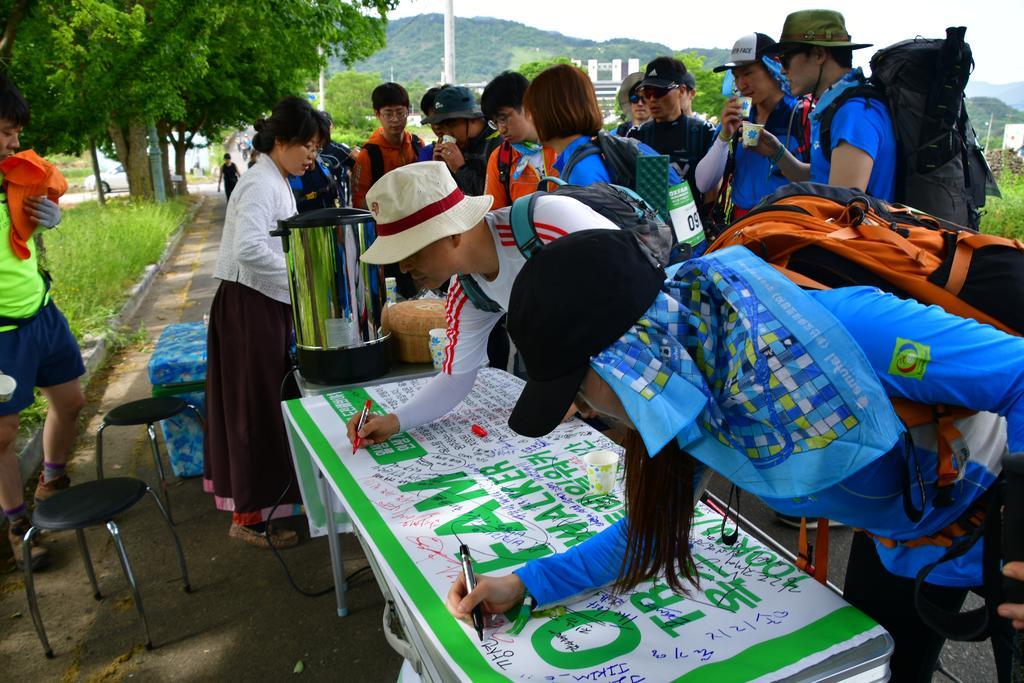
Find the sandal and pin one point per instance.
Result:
(280, 538)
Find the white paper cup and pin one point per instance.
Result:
(751, 133)
(438, 343)
(602, 466)
(7, 387)
(745, 104)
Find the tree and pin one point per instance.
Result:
(349, 104)
(531, 69)
(709, 99)
(105, 69)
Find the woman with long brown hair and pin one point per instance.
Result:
(728, 366)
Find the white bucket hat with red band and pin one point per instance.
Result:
(416, 205)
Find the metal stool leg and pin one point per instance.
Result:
(177, 541)
(159, 469)
(30, 591)
(99, 451)
(195, 411)
(127, 568)
(87, 559)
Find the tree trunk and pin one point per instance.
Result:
(132, 151)
(180, 148)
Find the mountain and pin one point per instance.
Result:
(486, 46)
(982, 110)
(1010, 93)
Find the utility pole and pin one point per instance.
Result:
(449, 41)
(989, 131)
(321, 103)
(156, 165)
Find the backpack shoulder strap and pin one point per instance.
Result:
(417, 144)
(866, 90)
(523, 228)
(588, 149)
(505, 167)
(376, 161)
(476, 295)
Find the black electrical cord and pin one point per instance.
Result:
(270, 517)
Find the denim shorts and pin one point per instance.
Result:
(40, 353)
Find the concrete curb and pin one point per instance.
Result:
(94, 349)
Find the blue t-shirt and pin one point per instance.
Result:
(863, 123)
(589, 170)
(754, 177)
(427, 152)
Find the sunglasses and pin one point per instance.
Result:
(635, 99)
(649, 92)
(785, 57)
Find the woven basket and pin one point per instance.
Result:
(410, 323)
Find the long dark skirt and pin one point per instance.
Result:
(247, 462)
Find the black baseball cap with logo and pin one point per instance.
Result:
(664, 72)
(571, 300)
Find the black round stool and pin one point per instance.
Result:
(147, 411)
(92, 504)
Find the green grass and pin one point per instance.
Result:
(1005, 216)
(95, 256)
(98, 252)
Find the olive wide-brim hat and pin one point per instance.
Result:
(821, 27)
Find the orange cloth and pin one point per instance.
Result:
(393, 157)
(26, 174)
(525, 184)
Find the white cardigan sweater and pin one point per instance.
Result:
(248, 254)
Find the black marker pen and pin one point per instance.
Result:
(467, 573)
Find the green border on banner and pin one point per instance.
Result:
(454, 640)
(786, 650)
(759, 660)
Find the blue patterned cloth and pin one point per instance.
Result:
(753, 377)
(180, 358)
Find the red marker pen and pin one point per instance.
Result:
(360, 425)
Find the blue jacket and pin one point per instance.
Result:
(917, 352)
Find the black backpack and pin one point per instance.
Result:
(377, 158)
(620, 205)
(940, 169)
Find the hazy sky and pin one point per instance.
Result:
(994, 27)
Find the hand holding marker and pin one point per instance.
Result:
(360, 425)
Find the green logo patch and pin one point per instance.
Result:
(909, 359)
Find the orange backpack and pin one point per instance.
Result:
(823, 237)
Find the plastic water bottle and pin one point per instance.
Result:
(391, 290)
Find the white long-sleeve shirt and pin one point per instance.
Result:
(248, 254)
(468, 326)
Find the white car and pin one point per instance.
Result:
(113, 179)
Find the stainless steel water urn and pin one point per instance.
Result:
(337, 300)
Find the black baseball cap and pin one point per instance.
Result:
(573, 299)
(664, 72)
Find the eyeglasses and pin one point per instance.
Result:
(499, 121)
(635, 98)
(394, 114)
(653, 92)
